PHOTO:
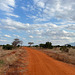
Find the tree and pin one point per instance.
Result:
(7, 47)
(30, 43)
(47, 45)
(17, 42)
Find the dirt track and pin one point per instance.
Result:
(41, 64)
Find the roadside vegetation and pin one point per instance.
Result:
(48, 45)
(16, 43)
(65, 53)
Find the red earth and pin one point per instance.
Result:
(42, 64)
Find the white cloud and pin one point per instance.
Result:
(10, 14)
(7, 35)
(31, 36)
(44, 32)
(12, 24)
(67, 38)
(41, 4)
(3, 40)
(59, 9)
(16, 35)
(7, 5)
(24, 8)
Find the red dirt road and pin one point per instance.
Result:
(41, 64)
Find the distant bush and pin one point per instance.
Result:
(64, 49)
(47, 45)
(7, 47)
(73, 47)
(68, 45)
(56, 46)
(36, 46)
(42, 45)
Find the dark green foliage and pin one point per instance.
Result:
(47, 45)
(30, 43)
(57, 46)
(7, 47)
(64, 49)
(42, 45)
(17, 42)
(36, 46)
(18, 46)
(68, 45)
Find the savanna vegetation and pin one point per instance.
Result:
(16, 43)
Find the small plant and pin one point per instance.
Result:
(64, 49)
(7, 47)
(1, 63)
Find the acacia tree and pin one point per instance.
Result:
(30, 43)
(17, 42)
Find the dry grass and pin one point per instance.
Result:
(7, 58)
(62, 56)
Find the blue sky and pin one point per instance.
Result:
(37, 21)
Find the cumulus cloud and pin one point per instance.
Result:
(59, 9)
(7, 35)
(44, 32)
(12, 24)
(31, 36)
(10, 14)
(7, 5)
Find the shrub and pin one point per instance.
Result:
(68, 45)
(36, 46)
(18, 46)
(64, 49)
(42, 45)
(7, 47)
(73, 47)
(47, 45)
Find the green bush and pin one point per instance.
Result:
(36, 46)
(18, 46)
(47, 45)
(7, 47)
(64, 49)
